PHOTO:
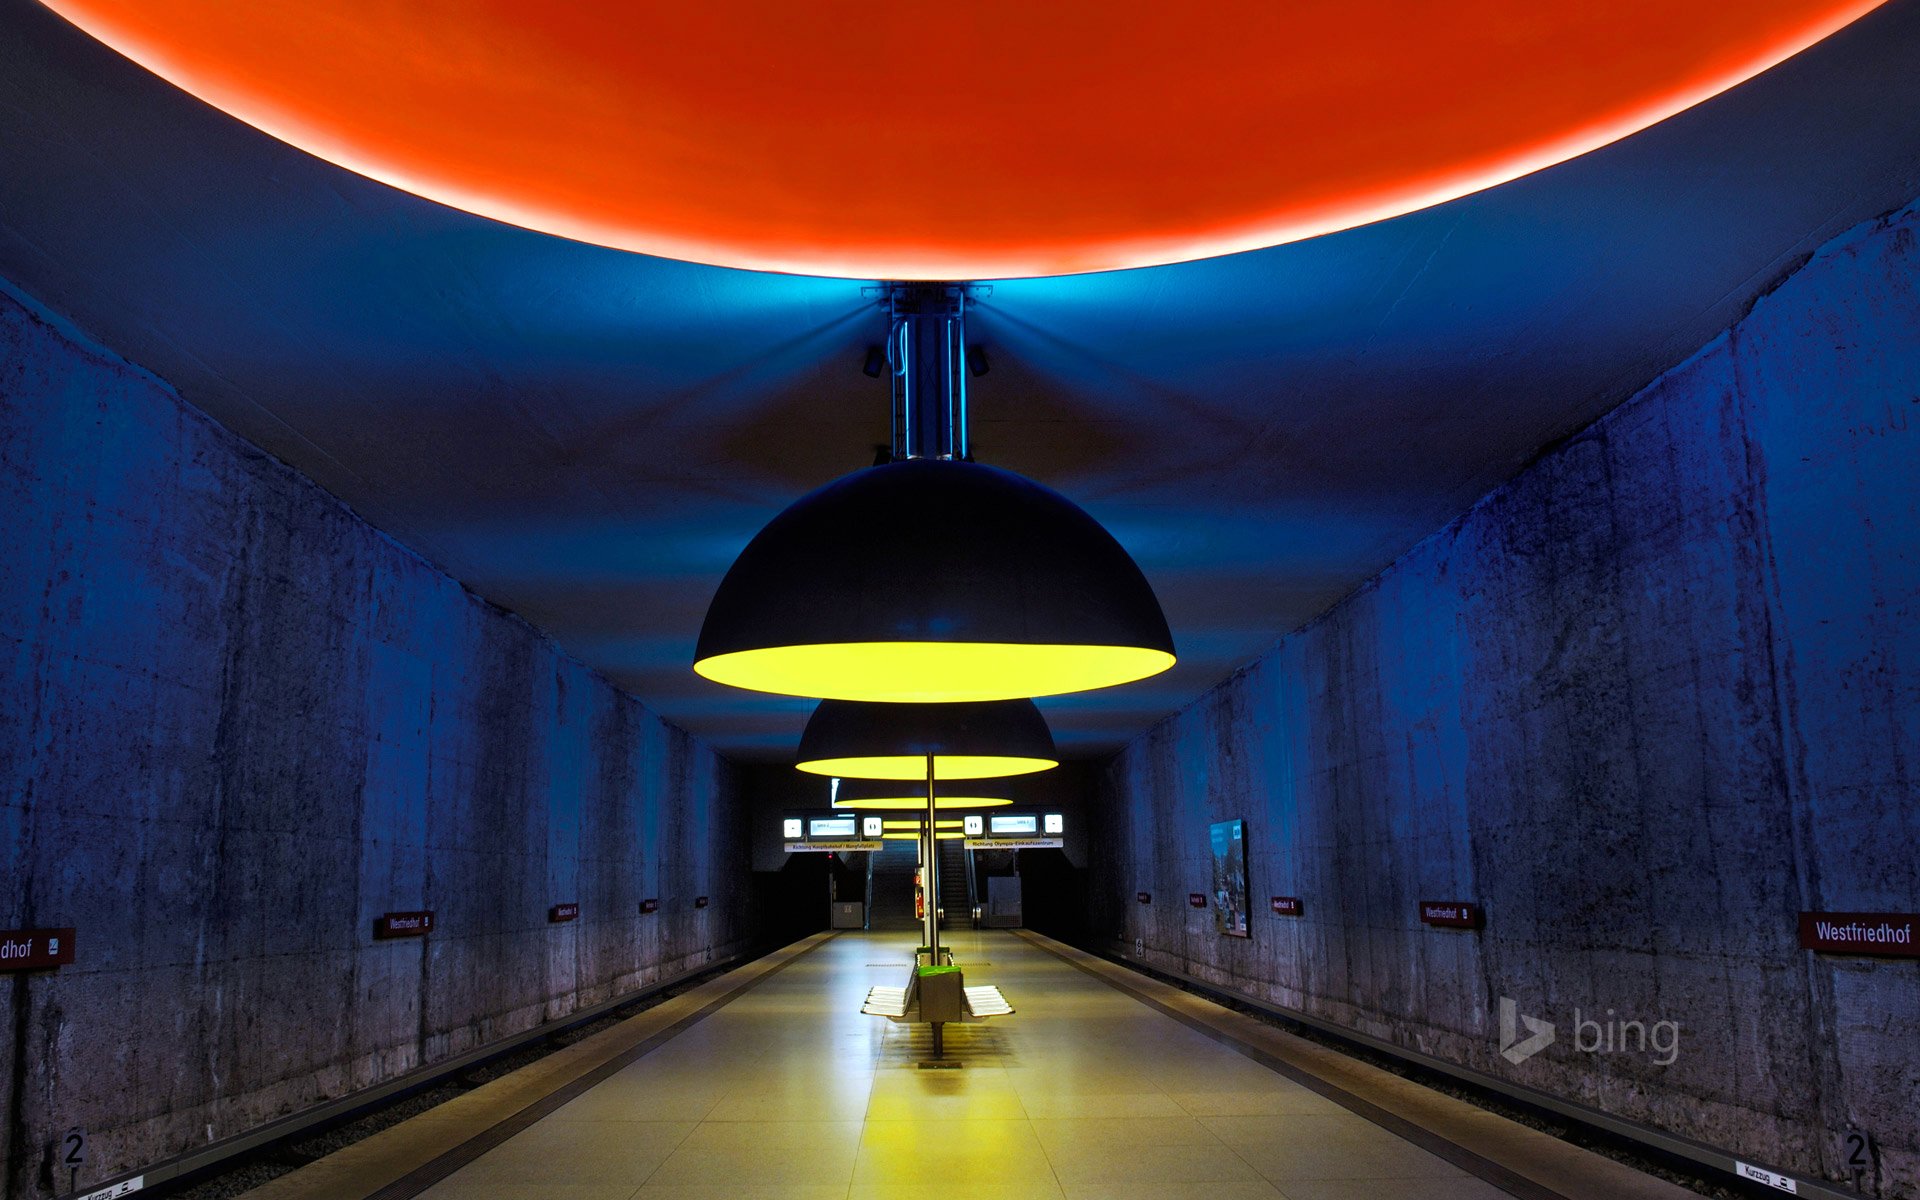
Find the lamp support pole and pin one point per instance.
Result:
(930, 873)
(927, 348)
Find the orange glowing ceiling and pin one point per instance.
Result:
(971, 140)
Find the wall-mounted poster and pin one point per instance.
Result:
(1229, 840)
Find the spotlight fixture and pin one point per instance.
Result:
(981, 740)
(931, 579)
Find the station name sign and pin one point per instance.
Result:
(563, 912)
(1878, 935)
(1197, 899)
(402, 924)
(1452, 914)
(35, 949)
(649, 906)
(1286, 906)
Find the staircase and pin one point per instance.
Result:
(890, 886)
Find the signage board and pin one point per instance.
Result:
(1016, 824)
(1875, 935)
(792, 829)
(844, 847)
(1054, 823)
(649, 906)
(1761, 1175)
(1143, 897)
(35, 949)
(829, 828)
(1197, 899)
(1451, 914)
(699, 901)
(126, 1187)
(402, 924)
(1285, 906)
(1015, 843)
(563, 912)
(973, 825)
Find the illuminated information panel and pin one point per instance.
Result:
(1016, 831)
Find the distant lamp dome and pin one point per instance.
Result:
(983, 740)
(933, 581)
(883, 795)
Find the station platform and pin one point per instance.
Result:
(768, 1082)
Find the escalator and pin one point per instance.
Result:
(956, 885)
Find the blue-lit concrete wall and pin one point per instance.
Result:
(237, 724)
(1646, 703)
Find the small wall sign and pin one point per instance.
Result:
(1285, 906)
(1761, 1175)
(699, 901)
(35, 949)
(563, 912)
(403, 924)
(1875, 935)
(649, 906)
(1143, 897)
(1197, 899)
(1451, 914)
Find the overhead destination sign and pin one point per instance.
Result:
(848, 846)
(1015, 843)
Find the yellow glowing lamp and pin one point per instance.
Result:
(941, 835)
(980, 740)
(941, 803)
(933, 581)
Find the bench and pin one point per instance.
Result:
(936, 996)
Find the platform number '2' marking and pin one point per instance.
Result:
(76, 1144)
(1857, 1158)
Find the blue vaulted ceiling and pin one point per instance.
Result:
(588, 437)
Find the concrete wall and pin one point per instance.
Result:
(237, 724)
(1646, 703)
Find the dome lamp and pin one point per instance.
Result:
(989, 739)
(932, 578)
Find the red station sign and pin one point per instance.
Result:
(649, 906)
(1197, 899)
(1286, 906)
(1875, 935)
(1451, 914)
(563, 912)
(35, 949)
(402, 924)
(1144, 897)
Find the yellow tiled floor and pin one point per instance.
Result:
(1085, 1093)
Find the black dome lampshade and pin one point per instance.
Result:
(933, 581)
(980, 740)
(883, 795)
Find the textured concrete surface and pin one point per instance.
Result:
(1645, 704)
(238, 724)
